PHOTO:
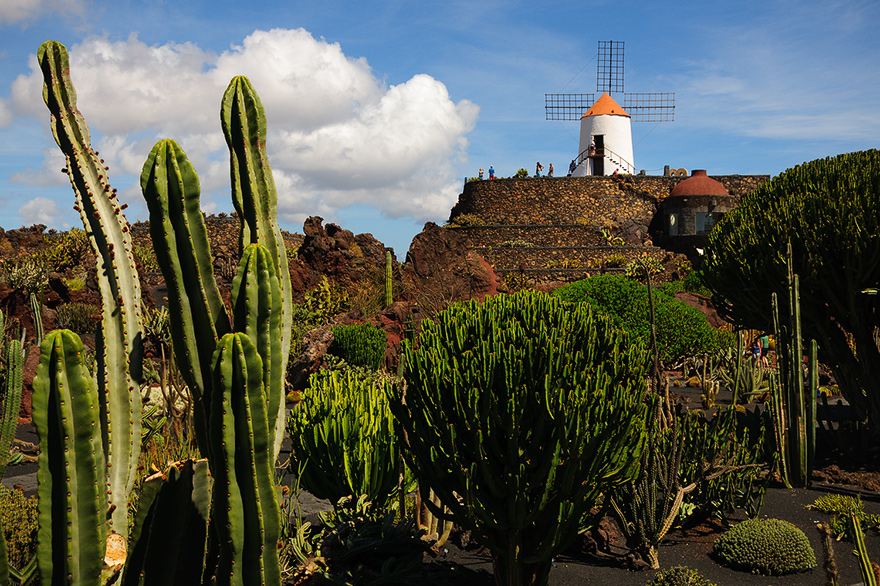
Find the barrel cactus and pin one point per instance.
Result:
(765, 546)
(519, 412)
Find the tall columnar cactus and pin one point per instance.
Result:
(72, 468)
(121, 350)
(519, 413)
(389, 292)
(794, 407)
(255, 199)
(246, 512)
(171, 189)
(171, 528)
(10, 401)
(180, 239)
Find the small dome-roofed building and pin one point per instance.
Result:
(691, 210)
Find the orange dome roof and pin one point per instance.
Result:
(699, 183)
(605, 105)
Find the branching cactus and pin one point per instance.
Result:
(519, 412)
(246, 512)
(171, 189)
(121, 352)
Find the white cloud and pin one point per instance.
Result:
(15, 11)
(40, 210)
(338, 136)
(5, 114)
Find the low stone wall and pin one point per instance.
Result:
(572, 200)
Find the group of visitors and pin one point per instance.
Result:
(539, 167)
(491, 173)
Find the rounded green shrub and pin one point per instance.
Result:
(359, 345)
(343, 439)
(679, 576)
(681, 330)
(765, 546)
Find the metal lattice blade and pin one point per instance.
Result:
(642, 107)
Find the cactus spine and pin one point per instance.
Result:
(121, 351)
(246, 512)
(72, 468)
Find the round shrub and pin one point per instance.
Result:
(359, 345)
(679, 576)
(765, 546)
(681, 330)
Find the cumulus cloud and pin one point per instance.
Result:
(40, 210)
(16, 11)
(338, 136)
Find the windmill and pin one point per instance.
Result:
(606, 135)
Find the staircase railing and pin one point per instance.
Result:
(627, 167)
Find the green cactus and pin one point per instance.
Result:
(254, 197)
(858, 536)
(10, 403)
(765, 546)
(344, 442)
(520, 412)
(794, 407)
(359, 345)
(246, 512)
(171, 189)
(171, 529)
(72, 467)
(389, 296)
(120, 353)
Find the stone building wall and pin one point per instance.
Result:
(551, 224)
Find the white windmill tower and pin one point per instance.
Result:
(606, 138)
(606, 132)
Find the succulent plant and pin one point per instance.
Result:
(765, 546)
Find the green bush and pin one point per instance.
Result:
(19, 515)
(343, 439)
(681, 330)
(765, 546)
(359, 345)
(520, 412)
(521, 174)
(840, 507)
(679, 576)
(81, 318)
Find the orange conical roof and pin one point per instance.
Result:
(606, 105)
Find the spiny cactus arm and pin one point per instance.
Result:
(11, 399)
(71, 486)
(110, 237)
(247, 516)
(180, 239)
(254, 197)
(171, 529)
(256, 309)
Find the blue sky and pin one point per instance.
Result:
(378, 110)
